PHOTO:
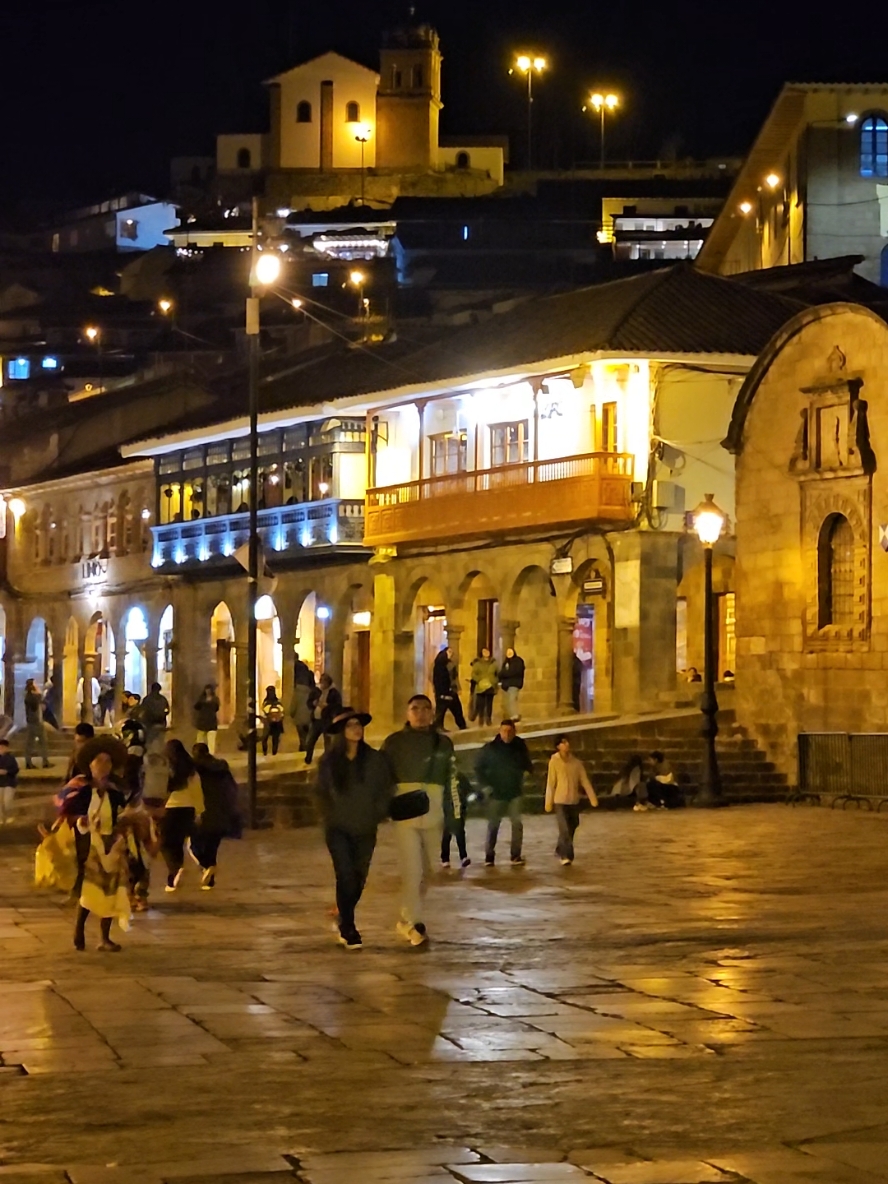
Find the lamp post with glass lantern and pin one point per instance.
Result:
(529, 64)
(709, 522)
(265, 267)
(603, 105)
(362, 135)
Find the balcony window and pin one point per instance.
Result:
(217, 454)
(218, 495)
(508, 444)
(171, 503)
(607, 437)
(272, 487)
(240, 492)
(294, 482)
(449, 453)
(321, 477)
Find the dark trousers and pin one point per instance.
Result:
(315, 732)
(568, 818)
(661, 793)
(351, 855)
(205, 846)
(452, 704)
(457, 830)
(497, 810)
(81, 850)
(273, 732)
(484, 706)
(175, 827)
(80, 926)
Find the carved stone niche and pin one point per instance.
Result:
(821, 502)
(833, 435)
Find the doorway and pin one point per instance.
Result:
(583, 673)
(431, 637)
(225, 661)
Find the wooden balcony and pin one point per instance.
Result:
(537, 495)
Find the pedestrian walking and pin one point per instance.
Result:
(206, 717)
(184, 806)
(511, 679)
(456, 828)
(87, 698)
(90, 795)
(445, 681)
(485, 685)
(9, 772)
(326, 707)
(304, 687)
(82, 733)
(35, 729)
(49, 697)
(354, 788)
(154, 713)
(565, 779)
(502, 766)
(132, 733)
(221, 816)
(273, 718)
(424, 771)
(105, 705)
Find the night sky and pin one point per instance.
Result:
(96, 96)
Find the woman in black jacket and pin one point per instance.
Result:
(354, 787)
(445, 681)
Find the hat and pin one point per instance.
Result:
(91, 748)
(346, 714)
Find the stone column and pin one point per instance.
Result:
(645, 585)
(454, 641)
(241, 646)
(565, 665)
(288, 633)
(391, 656)
(508, 629)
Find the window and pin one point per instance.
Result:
(19, 368)
(835, 562)
(320, 279)
(608, 435)
(303, 112)
(874, 147)
(463, 160)
(396, 79)
(244, 158)
(449, 453)
(508, 444)
(418, 80)
(352, 113)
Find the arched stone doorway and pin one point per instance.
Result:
(224, 661)
(357, 609)
(475, 625)
(269, 656)
(165, 655)
(36, 663)
(310, 637)
(537, 641)
(428, 616)
(135, 665)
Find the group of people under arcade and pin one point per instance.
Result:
(486, 678)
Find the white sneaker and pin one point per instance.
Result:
(445, 865)
(566, 862)
(640, 808)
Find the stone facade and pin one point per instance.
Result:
(810, 431)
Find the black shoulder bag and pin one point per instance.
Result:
(414, 804)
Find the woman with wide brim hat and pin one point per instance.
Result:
(354, 788)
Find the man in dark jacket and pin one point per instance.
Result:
(154, 713)
(206, 717)
(301, 706)
(502, 765)
(35, 729)
(221, 817)
(423, 764)
(325, 709)
(445, 681)
(9, 772)
(511, 680)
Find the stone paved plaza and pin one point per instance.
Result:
(701, 997)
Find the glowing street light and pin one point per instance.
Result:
(602, 105)
(709, 522)
(92, 333)
(745, 208)
(267, 268)
(165, 305)
(362, 135)
(772, 180)
(296, 302)
(529, 64)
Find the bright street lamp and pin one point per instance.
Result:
(745, 208)
(164, 305)
(603, 104)
(772, 180)
(529, 64)
(709, 522)
(362, 135)
(267, 268)
(92, 333)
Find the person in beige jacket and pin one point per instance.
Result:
(565, 780)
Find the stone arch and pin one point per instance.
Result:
(424, 613)
(165, 653)
(356, 611)
(269, 654)
(224, 658)
(136, 633)
(36, 662)
(473, 621)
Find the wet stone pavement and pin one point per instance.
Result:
(702, 997)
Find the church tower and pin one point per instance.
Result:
(408, 102)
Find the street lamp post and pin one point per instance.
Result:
(264, 270)
(528, 65)
(362, 135)
(94, 337)
(603, 105)
(709, 522)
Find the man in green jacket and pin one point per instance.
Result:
(424, 769)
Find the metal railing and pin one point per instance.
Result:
(611, 464)
(848, 767)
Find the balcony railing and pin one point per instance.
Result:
(310, 526)
(538, 494)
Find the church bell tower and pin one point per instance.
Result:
(408, 102)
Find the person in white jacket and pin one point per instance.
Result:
(87, 698)
(566, 778)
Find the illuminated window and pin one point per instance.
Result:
(835, 563)
(50, 363)
(352, 113)
(874, 147)
(244, 158)
(608, 433)
(303, 112)
(449, 453)
(19, 368)
(320, 279)
(508, 444)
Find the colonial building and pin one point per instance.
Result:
(810, 436)
(340, 131)
(814, 185)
